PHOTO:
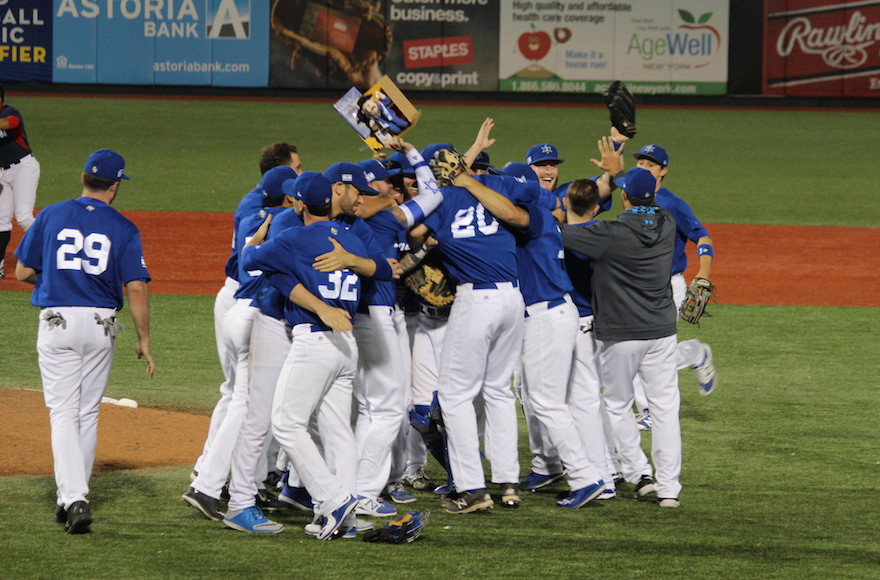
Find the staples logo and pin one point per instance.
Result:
(444, 51)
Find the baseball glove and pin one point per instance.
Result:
(446, 166)
(699, 293)
(344, 39)
(431, 282)
(403, 530)
(622, 107)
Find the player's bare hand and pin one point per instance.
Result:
(260, 236)
(396, 268)
(143, 352)
(611, 161)
(336, 259)
(617, 136)
(483, 141)
(398, 144)
(335, 318)
(430, 242)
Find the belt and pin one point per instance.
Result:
(435, 311)
(548, 304)
(303, 326)
(494, 285)
(17, 162)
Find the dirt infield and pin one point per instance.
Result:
(186, 252)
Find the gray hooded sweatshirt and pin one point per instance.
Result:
(632, 260)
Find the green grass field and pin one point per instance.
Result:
(780, 463)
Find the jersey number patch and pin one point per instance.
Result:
(463, 224)
(96, 248)
(342, 286)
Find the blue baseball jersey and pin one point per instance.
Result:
(474, 245)
(268, 298)
(375, 250)
(84, 252)
(580, 272)
(387, 231)
(250, 281)
(687, 226)
(539, 253)
(293, 251)
(251, 203)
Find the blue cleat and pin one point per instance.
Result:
(336, 517)
(297, 497)
(534, 481)
(251, 520)
(580, 497)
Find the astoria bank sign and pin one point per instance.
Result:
(821, 48)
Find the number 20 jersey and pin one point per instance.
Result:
(84, 252)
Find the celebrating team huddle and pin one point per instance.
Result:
(340, 379)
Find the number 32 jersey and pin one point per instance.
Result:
(293, 251)
(84, 252)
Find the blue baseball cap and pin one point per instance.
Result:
(374, 170)
(272, 184)
(346, 172)
(482, 161)
(429, 151)
(653, 153)
(106, 164)
(311, 188)
(520, 171)
(638, 183)
(542, 153)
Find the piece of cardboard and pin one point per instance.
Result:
(388, 113)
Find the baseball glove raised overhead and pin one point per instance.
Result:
(622, 107)
(699, 293)
(403, 530)
(344, 39)
(446, 166)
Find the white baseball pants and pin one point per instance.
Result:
(75, 360)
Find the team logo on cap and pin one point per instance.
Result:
(547, 149)
(648, 148)
(94, 168)
(347, 177)
(370, 176)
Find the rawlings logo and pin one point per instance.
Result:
(841, 47)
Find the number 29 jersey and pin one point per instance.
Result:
(84, 252)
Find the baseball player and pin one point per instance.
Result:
(691, 353)
(550, 329)
(19, 176)
(316, 381)
(481, 346)
(238, 440)
(251, 203)
(79, 254)
(635, 320)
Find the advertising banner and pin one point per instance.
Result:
(169, 42)
(822, 48)
(26, 40)
(657, 47)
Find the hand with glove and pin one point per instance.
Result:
(622, 108)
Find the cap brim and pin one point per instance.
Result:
(639, 155)
(124, 176)
(548, 160)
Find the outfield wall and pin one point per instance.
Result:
(679, 48)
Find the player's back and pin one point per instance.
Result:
(88, 252)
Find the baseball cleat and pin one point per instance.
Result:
(643, 420)
(336, 517)
(469, 502)
(79, 518)
(706, 372)
(206, 504)
(399, 494)
(268, 502)
(668, 502)
(606, 495)
(445, 489)
(418, 480)
(251, 520)
(581, 497)
(374, 507)
(644, 487)
(297, 497)
(60, 514)
(510, 495)
(534, 481)
(314, 528)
